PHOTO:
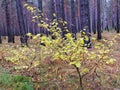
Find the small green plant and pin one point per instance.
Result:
(23, 86)
(22, 83)
(16, 82)
(5, 79)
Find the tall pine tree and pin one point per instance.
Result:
(85, 15)
(118, 6)
(99, 36)
(21, 22)
(10, 32)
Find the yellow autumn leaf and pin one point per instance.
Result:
(54, 14)
(68, 36)
(78, 64)
(86, 38)
(29, 34)
(111, 61)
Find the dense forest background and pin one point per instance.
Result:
(96, 15)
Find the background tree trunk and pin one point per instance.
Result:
(52, 9)
(73, 19)
(99, 36)
(58, 9)
(8, 23)
(94, 17)
(85, 15)
(21, 22)
(118, 28)
(63, 17)
(41, 11)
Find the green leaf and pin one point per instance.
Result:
(84, 71)
(82, 41)
(78, 65)
(72, 63)
(68, 36)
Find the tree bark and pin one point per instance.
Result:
(85, 15)
(63, 18)
(8, 22)
(99, 36)
(41, 11)
(21, 22)
(118, 28)
(73, 20)
(52, 9)
(94, 17)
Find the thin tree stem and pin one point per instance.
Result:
(80, 78)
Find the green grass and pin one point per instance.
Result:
(14, 82)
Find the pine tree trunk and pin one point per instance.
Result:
(8, 22)
(0, 40)
(78, 15)
(1, 32)
(63, 17)
(21, 22)
(94, 17)
(99, 36)
(85, 15)
(12, 20)
(73, 20)
(118, 28)
(52, 9)
(41, 11)
(62, 10)
(58, 9)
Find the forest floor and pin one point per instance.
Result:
(64, 79)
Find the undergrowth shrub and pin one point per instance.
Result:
(88, 63)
